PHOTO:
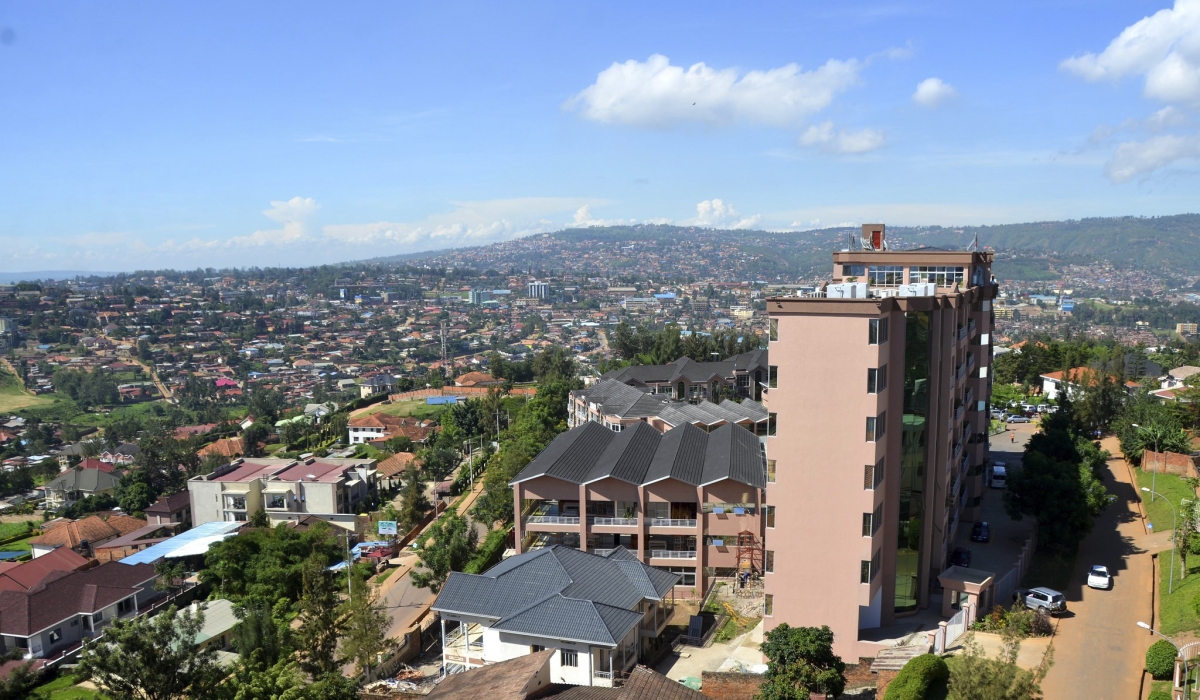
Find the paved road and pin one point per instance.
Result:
(1099, 651)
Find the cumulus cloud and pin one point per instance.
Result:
(715, 213)
(1134, 159)
(932, 92)
(295, 214)
(584, 219)
(656, 94)
(833, 140)
(1164, 50)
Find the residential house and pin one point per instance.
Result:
(133, 542)
(94, 463)
(390, 469)
(21, 576)
(75, 484)
(528, 677)
(1178, 377)
(477, 379)
(85, 535)
(217, 630)
(688, 380)
(332, 489)
(122, 454)
(67, 608)
(318, 412)
(176, 508)
(225, 447)
(377, 427)
(595, 613)
(376, 385)
(682, 500)
(1055, 384)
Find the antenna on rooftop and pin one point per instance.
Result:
(975, 243)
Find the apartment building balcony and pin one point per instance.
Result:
(613, 522)
(552, 520)
(673, 522)
(673, 554)
(599, 551)
(962, 333)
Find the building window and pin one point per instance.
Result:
(771, 423)
(869, 477)
(568, 657)
(277, 500)
(55, 635)
(941, 275)
(864, 575)
(774, 329)
(885, 275)
(867, 529)
(854, 270)
(768, 605)
(773, 377)
(769, 561)
(876, 426)
(876, 379)
(687, 575)
(770, 516)
(536, 648)
(876, 519)
(770, 471)
(877, 333)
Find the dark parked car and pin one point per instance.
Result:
(981, 532)
(961, 556)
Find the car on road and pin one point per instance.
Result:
(961, 556)
(999, 476)
(1046, 599)
(1018, 419)
(981, 532)
(1098, 577)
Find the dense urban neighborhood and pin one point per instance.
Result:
(398, 480)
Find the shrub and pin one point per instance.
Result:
(916, 677)
(1160, 659)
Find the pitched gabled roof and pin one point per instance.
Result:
(641, 455)
(26, 575)
(93, 529)
(171, 504)
(689, 370)
(395, 464)
(559, 592)
(64, 594)
(507, 680)
(87, 480)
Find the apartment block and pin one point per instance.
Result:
(331, 489)
(686, 501)
(688, 380)
(880, 382)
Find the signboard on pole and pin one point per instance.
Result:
(387, 527)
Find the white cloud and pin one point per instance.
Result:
(1140, 158)
(715, 213)
(932, 92)
(1164, 48)
(584, 219)
(841, 140)
(657, 94)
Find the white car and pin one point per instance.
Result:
(1099, 577)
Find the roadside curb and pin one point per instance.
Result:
(1144, 691)
(1134, 481)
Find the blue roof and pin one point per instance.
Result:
(194, 541)
(5, 556)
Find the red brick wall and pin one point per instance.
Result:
(729, 686)
(1169, 463)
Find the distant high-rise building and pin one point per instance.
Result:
(879, 383)
(478, 296)
(1180, 328)
(537, 290)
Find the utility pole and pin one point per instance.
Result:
(443, 348)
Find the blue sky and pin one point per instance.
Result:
(137, 135)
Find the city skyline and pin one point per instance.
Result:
(151, 137)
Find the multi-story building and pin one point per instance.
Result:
(617, 406)
(685, 501)
(537, 290)
(688, 380)
(330, 489)
(596, 613)
(881, 383)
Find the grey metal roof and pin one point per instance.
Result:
(613, 398)
(641, 455)
(690, 370)
(558, 592)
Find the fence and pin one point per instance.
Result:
(460, 391)
(703, 640)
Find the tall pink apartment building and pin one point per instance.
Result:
(879, 382)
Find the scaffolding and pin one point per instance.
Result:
(749, 564)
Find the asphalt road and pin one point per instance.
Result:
(1099, 650)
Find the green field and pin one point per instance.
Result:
(14, 398)
(64, 688)
(416, 408)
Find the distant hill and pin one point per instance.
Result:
(1170, 244)
(37, 275)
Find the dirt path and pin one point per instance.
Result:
(162, 388)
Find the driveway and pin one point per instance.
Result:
(1099, 650)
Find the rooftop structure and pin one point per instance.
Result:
(687, 379)
(618, 405)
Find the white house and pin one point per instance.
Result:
(595, 612)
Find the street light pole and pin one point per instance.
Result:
(1178, 653)
(1174, 534)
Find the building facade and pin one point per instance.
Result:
(686, 501)
(881, 383)
(537, 290)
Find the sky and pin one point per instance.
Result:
(138, 135)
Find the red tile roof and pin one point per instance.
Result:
(26, 575)
(64, 594)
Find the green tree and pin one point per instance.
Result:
(134, 499)
(168, 575)
(320, 620)
(800, 660)
(414, 506)
(263, 629)
(152, 658)
(438, 462)
(364, 635)
(977, 677)
(452, 541)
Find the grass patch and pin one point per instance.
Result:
(416, 408)
(8, 530)
(1176, 610)
(64, 688)
(18, 546)
(14, 398)
(1052, 570)
(384, 576)
(1172, 490)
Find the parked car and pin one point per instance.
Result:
(999, 477)
(961, 556)
(1018, 419)
(981, 532)
(1099, 577)
(1046, 599)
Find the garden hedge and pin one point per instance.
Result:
(1160, 659)
(916, 677)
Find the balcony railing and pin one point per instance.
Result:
(672, 554)
(622, 522)
(553, 519)
(599, 552)
(673, 522)
(962, 332)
